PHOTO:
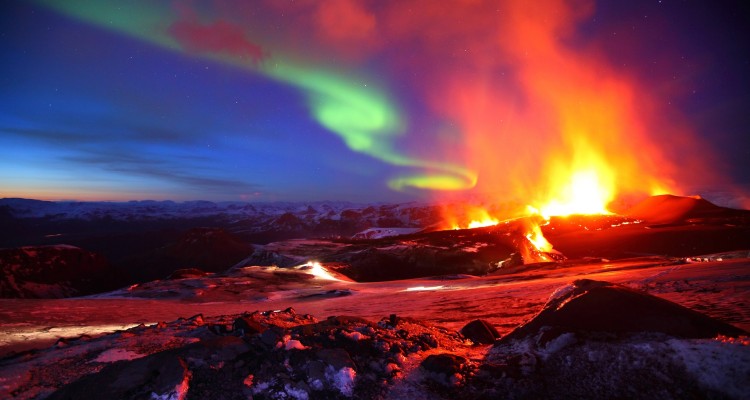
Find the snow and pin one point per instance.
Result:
(558, 344)
(113, 355)
(342, 380)
(379, 233)
(354, 336)
(261, 387)
(723, 365)
(561, 293)
(295, 393)
(146, 210)
(294, 344)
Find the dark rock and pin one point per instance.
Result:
(161, 374)
(480, 331)
(248, 326)
(225, 348)
(338, 358)
(428, 341)
(593, 306)
(264, 257)
(346, 320)
(52, 272)
(221, 329)
(271, 336)
(448, 364)
(188, 273)
(445, 369)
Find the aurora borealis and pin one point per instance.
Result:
(365, 100)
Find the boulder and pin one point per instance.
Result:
(589, 306)
(480, 331)
(247, 326)
(161, 375)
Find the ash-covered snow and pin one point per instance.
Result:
(379, 233)
(117, 354)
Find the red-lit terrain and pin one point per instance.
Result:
(405, 306)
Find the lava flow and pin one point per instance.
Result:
(586, 193)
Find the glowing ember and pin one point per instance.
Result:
(423, 288)
(319, 272)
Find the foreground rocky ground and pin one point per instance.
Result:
(592, 339)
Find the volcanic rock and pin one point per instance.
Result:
(469, 251)
(187, 273)
(447, 364)
(669, 209)
(589, 306)
(480, 331)
(52, 272)
(445, 369)
(338, 358)
(207, 249)
(596, 339)
(163, 374)
(212, 249)
(247, 326)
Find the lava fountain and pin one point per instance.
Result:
(563, 131)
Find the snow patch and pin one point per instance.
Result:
(295, 344)
(342, 380)
(558, 344)
(722, 365)
(379, 233)
(354, 336)
(296, 393)
(113, 355)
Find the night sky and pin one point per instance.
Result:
(367, 100)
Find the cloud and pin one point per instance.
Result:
(159, 168)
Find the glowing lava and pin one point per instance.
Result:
(537, 239)
(319, 271)
(478, 217)
(586, 193)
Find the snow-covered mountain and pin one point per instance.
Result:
(280, 212)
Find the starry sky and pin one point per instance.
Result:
(367, 100)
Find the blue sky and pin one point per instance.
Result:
(91, 113)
